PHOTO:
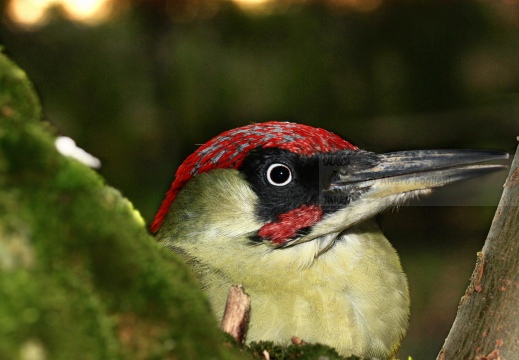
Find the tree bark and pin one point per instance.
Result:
(487, 324)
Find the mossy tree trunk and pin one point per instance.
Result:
(80, 276)
(487, 323)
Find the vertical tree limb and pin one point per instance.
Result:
(487, 324)
(236, 313)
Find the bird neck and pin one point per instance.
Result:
(345, 289)
(354, 296)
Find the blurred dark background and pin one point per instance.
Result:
(138, 83)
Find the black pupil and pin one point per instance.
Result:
(279, 174)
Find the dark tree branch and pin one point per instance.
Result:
(487, 324)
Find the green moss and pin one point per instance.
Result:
(293, 352)
(80, 277)
(18, 101)
(55, 312)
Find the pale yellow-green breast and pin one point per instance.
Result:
(353, 297)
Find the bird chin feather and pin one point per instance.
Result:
(325, 233)
(304, 254)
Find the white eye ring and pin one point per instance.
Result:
(279, 174)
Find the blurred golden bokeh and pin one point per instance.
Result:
(33, 13)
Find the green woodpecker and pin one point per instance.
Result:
(287, 210)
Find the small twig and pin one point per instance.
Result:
(266, 355)
(236, 313)
(297, 341)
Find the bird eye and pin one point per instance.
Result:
(279, 174)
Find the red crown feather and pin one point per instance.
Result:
(229, 149)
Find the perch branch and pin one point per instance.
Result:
(487, 324)
(236, 313)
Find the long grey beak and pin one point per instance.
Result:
(403, 171)
(357, 185)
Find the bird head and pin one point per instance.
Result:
(285, 184)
